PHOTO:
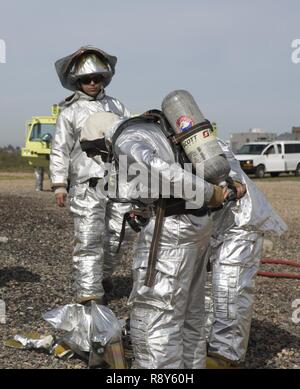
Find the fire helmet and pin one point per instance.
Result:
(87, 60)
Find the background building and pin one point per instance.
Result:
(296, 132)
(253, 135)
(237, 140)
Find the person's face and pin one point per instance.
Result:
(91, 85)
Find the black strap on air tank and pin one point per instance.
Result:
(160, 118)
(126, 124)
(97, 146)
(178, 138)
(151, 116)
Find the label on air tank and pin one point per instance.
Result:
(183, 123)
(201, 146)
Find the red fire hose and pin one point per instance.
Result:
(279, 262)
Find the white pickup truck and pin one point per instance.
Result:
(274, 158)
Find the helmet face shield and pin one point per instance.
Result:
(89, 64)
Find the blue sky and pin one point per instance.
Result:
(234, 56)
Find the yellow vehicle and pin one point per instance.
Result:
(215, 128)
(39, 133)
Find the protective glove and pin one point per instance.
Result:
(60, 196)
(240, 188)
(218, 197)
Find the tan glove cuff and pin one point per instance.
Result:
(86, 300)
(217, 198)
(60, 189)
(236, 182)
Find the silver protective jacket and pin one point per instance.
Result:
(67, 160)
(167, 319)
(235, 253)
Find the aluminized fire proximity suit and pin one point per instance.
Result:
(167, 320)
(39, 178)
(87, 204)
(235, 253)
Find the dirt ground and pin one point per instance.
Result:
(35, 275)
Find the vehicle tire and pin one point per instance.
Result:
(274, 174)
(297, 171)
(260, 171)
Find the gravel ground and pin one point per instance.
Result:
(35, 275)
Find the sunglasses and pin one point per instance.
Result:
(88, 79)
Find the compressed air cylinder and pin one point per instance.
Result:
(202, 147)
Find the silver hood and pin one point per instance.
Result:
(64, 66)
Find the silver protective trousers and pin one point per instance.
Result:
(39, 178)
(88, 210)
(167, 320)
(235, 259)
(113, 248)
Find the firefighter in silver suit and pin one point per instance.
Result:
(86, 72)
(167, 320)
(235, 252)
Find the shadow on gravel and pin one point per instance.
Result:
(17, 273)
(266, 340)
(122, 286)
